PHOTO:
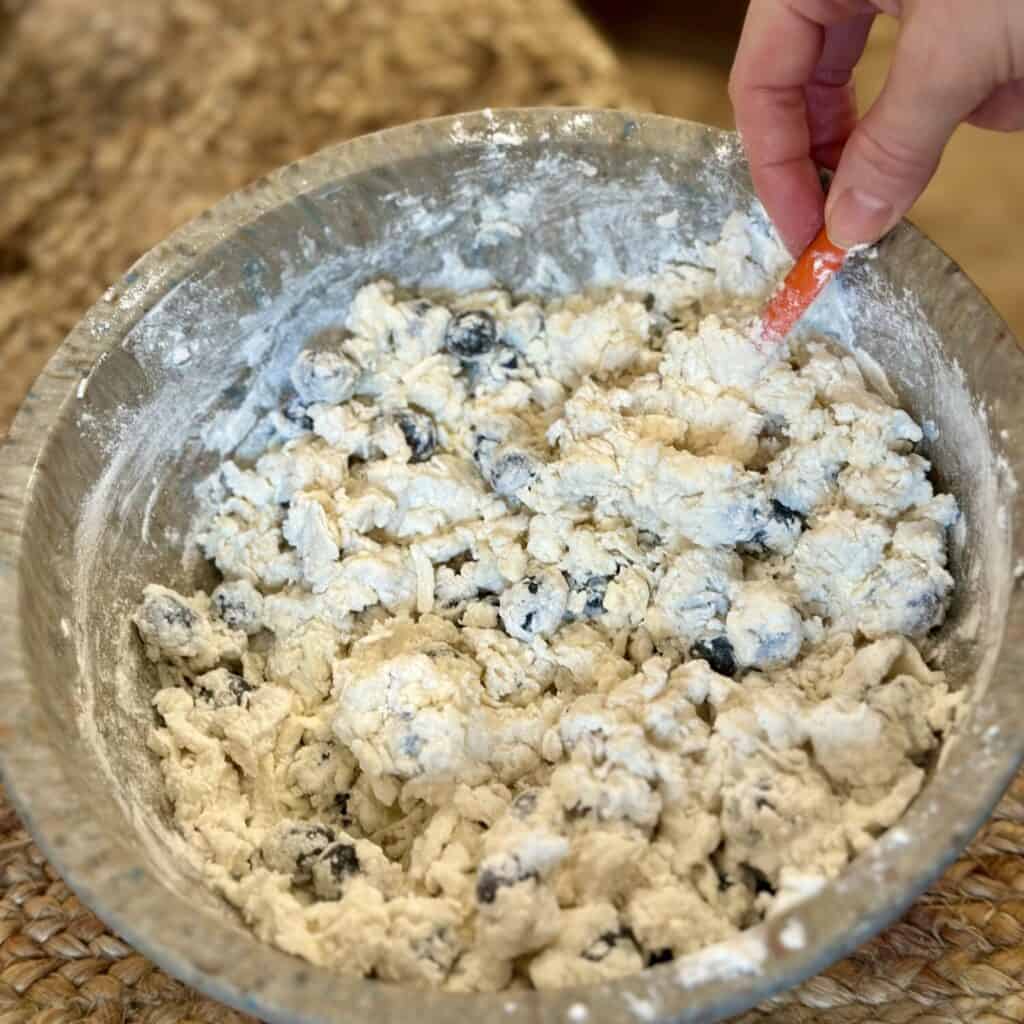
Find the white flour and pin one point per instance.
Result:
(555, 640)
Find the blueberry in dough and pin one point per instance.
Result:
(596, 587)
(525, 803)
(239, 688)
(440, 947)
(411, 745)
(511, 471)
(470, 334)
(296, 412)
(765, 630)
(340, 802)
(165, 620)
(487, 885)
(535, 606)
(333, 867)
(790, 517)
(718, 653)
(490, 879)
(291, 847)
(419, 432)
(923, 612)
(780, 525)
(648, 540)
(660, 956)
(226, 689)
(239, 605)
(324, 377)
(483, 450)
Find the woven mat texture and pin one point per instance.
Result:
(121, 119)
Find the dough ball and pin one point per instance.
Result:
(535, 606)
(765, 630)
(323, 377)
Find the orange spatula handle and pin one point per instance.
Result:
(817, 265)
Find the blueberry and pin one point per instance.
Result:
(419, 432)
(534, 606)
(487, 885)
(648, 540)
(774, 427)
(411, 745)
(292, 847)
(579, 809)
(239, 605)
(470, 334)
(168, 610)
(341, 806)
(341, 859)
(780, 522)
(440, 947)
(490, 880)
(718, 653)
(595, 588)
(226, 689)
(511, 471)
(483, 449)
(324, 377)
(239, 688)
(525, 804)
(334, 866)
(923, 612)
(660, 956)
(296, 412)
(166, 621)
(315, 838)
(762, 884)
(509, 361)
(790, 517)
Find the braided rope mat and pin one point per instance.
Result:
(119, 120)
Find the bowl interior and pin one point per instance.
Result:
(169, 372)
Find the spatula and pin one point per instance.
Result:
(815, 267)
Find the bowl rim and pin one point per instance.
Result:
(116, 883)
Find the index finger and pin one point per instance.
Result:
(779, 50)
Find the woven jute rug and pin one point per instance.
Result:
(119, 120)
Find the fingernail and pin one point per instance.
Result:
(857, 218)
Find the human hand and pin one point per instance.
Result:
(792, 91)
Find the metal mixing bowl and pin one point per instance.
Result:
(96, 494)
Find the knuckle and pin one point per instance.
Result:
(891, 157)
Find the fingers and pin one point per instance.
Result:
(779, 51)
(766, 88)
(936, 80)
(830, 95)
(1003, 111)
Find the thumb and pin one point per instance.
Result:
(893, 152)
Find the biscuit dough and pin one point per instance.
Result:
(554, 641)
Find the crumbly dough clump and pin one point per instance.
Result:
(554, 641)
